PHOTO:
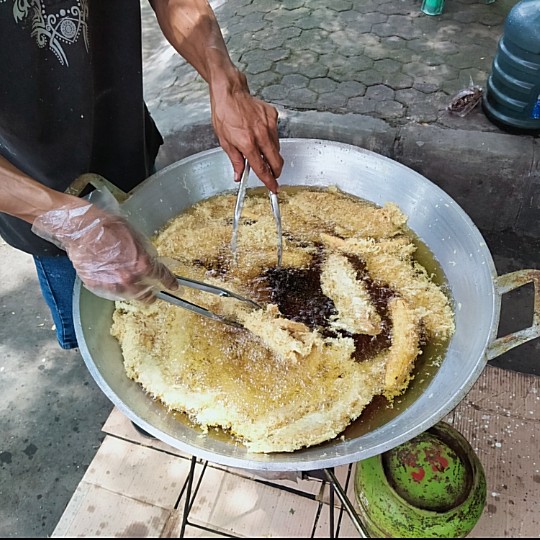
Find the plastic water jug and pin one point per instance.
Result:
(512, 96)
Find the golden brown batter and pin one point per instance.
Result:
(343, 319)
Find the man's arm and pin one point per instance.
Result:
(109, 257)
(245, 126)
(23, 197)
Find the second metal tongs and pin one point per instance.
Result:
(205, 287)
(240, 197)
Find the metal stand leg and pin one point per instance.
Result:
(463, 481)
(187, 503)
(332, 514)
(325, 475)
(190, 496)
(336, 488)
(345, 501)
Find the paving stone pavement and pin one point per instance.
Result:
(383, 58)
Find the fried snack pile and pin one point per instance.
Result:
(343, 319)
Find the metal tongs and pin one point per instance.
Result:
(205, 287)
(240, 197)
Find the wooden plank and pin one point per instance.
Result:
(97, 512)
(499, 417)
(288, 480)
(504, 518)
(501, 420)
(347, 529)
(138, 472)
(342, 520)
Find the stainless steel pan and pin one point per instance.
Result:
(434, 216)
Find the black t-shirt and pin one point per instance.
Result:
(71, 98)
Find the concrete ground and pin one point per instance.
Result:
(374, 73)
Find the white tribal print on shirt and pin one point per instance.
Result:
(54, 27)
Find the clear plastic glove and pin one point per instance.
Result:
(110, 257)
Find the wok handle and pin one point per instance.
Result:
(77, 186)
(507, 283)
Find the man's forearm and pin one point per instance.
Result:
(191, 28)
(23, 197)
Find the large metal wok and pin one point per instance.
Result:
(434, 216)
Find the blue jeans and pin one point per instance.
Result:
(56, 277)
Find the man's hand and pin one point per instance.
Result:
(109, 256)
(247, 126)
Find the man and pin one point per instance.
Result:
(71, 102)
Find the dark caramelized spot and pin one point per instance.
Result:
(297, 292)
(243, 221)
(368, 346)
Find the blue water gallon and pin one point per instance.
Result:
(512, 95)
